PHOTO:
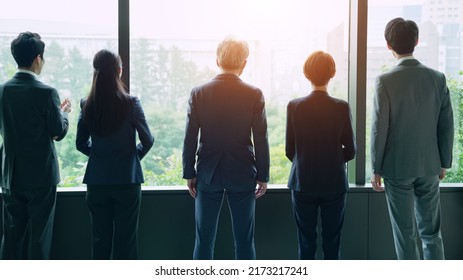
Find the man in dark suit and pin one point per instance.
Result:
(319, 142)
(229, 115)
(31, 118)
(411, 144)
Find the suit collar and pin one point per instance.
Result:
(319, 93)
(410, 61)
(408, 57)
(25, 75)
(227, 77)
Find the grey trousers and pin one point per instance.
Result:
(414, 207)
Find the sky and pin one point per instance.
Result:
(244, 18)
(89, 11)
(198, 19)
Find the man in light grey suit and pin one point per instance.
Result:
(411, 144)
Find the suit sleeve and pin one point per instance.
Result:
(290, 140)
(144, 133)
(190, 142)
(445, 131)
(261, 146)
(379, 127)
(347, 136)
(83, 143)
(57, 121)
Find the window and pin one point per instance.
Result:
(173, 46)
(73, 32)
(172, 49)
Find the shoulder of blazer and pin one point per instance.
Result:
(82, 102)
(134, 99)
(134, 103)
(340, 102)
(296, 101)
(412, 63)
(29, 79)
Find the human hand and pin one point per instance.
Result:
(261, 189)
(191, 183)
(66, 105)
(442, 173)
(376, 183)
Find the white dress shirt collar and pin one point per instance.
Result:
(29, 72)
(405, 58)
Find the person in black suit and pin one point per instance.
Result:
(106, 130)
(319, 141)
(229, 116)
(31, 118)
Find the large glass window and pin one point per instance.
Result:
(173, 46)
(73, 31)
(172, 49)
(440, 47)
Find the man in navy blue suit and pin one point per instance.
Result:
(319, 142)
(233, 154)
(31, 119)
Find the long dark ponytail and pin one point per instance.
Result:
(107, 104)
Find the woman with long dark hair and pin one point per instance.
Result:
(106, 133)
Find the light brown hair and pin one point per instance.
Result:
(319, 68)
(232, 53)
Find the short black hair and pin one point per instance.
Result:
(401, 35)
(26, 47)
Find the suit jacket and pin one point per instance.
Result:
(233, 151)
(115, 159)
(30, 116)
(412, 129)
(319, 141)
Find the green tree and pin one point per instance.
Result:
(54, 72)
(142, 71)
(279, 165)
(162, 73)
(455, 86)
(164, 78)
(79, 75)
(7, 64)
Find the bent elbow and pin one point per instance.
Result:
(149, 144)
(350, 156)
(83, 148)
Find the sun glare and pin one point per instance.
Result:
(263, 9)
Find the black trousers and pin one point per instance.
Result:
(28, 217)
(114, 212)
(306, 208)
